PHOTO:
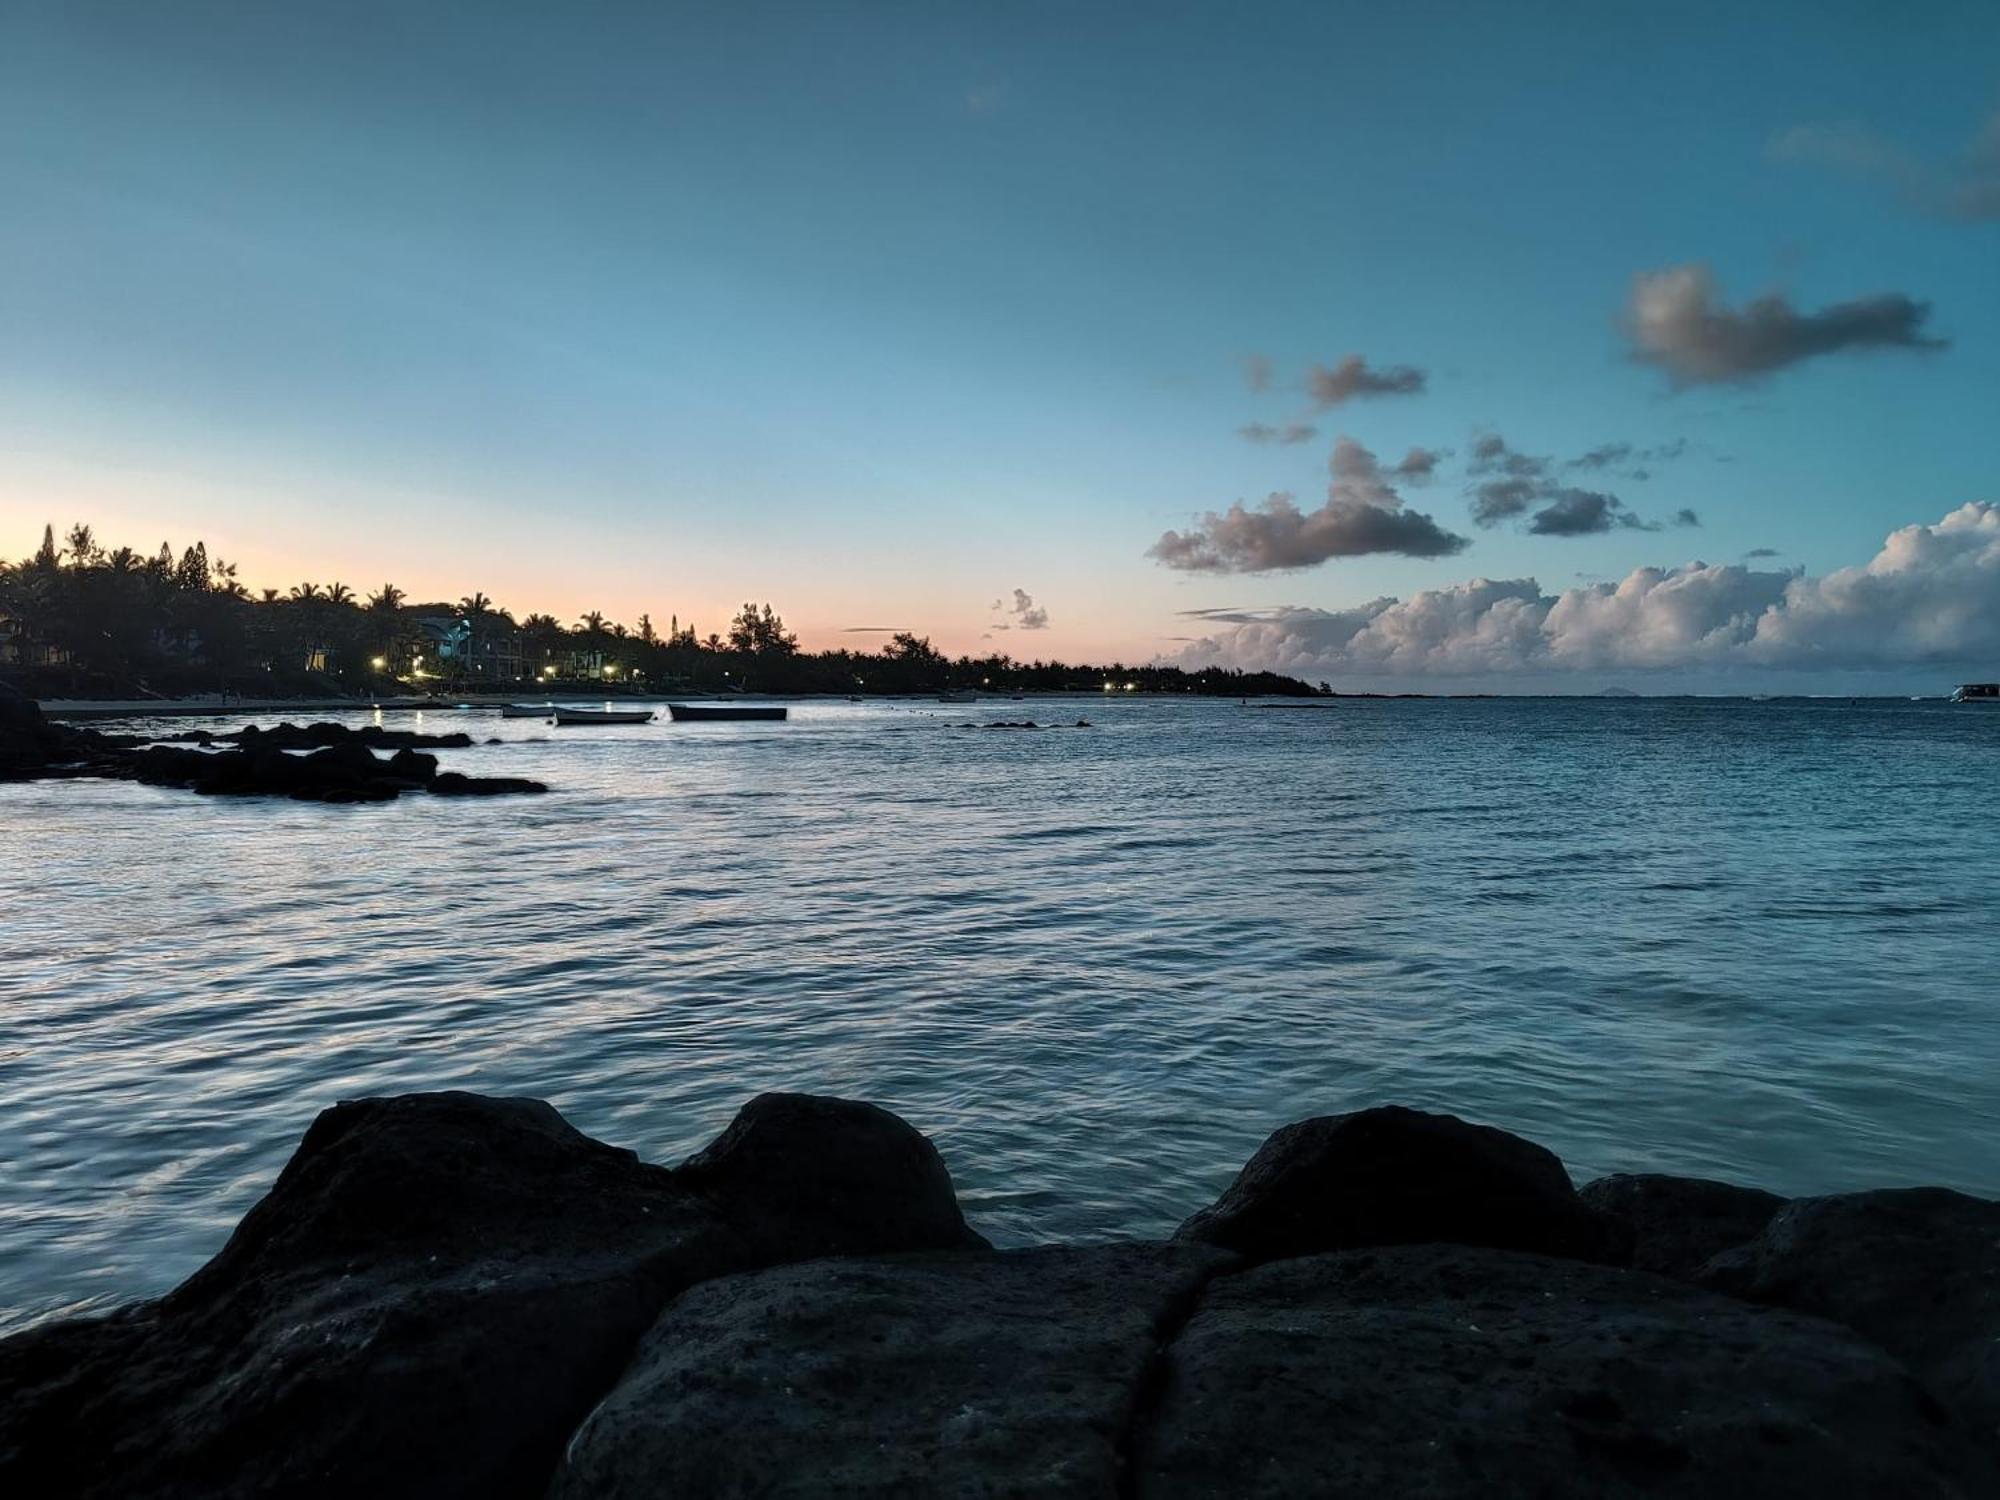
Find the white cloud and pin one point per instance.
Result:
(1931, 595)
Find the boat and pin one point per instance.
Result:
(526, 710)
(963, 696)
(713, 713)
(603, 715)
(1976, 692)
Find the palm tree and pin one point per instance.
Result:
(474, 604)
(387, 599)
(305, 593)
(339, 593)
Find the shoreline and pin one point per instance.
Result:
(454, 1294)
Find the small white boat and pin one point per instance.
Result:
(604, 715)
(526, 710)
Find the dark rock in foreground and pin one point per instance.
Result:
(1438, 1370)
(861, 1178)
(430, 1299)
(446, 1295)
(1915, 1269)
(1678, 1223)
(1015, 1373)
(32, 746)
(1394, 1176)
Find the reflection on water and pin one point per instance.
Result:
(1745, 940)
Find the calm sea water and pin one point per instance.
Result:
(1750, 940)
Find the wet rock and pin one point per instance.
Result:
(1677, 1223)
(1013, 1373)
(799, 1175)
(457, 784)
(1444, 1371)
(1399, 1176)
(426, 1303)
(32, 746)
(1915, 1269)
(289, 736)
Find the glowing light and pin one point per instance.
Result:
(379, 663)
(1131, 687)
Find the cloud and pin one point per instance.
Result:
(1582, 513)
(1352, 378)
(1257, 371)
(1418, 466)
(1027, 615)
(1968, 188)
(1509, 484)
(1628, 459)
(1930, 596)
(874, 629)
(1363, 514)
(1291, 432)
(1756, 552)
(1686, 517)
(1675, 322)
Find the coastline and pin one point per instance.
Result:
(452, 1294)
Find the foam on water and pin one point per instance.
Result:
(1748, 940)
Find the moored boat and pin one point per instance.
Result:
(1976, 692)
(964, 695)
(603, 715)
(526, 710)
(712, 713)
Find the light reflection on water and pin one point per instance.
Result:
(1745, 940)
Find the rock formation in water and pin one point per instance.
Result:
(450, 1295)
(339, 764)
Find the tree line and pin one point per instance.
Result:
(80, 619)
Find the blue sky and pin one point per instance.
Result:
(883, 311)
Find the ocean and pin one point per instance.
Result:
(1749, 940)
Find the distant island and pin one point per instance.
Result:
(79, 620)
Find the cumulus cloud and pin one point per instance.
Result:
(1686, 517)
(1968, 188)
(1676, 322)
(1508, 484)
(1290, 432)
(1756, 552)
(1418, 466)
(1023, 612)
(1353, 378)
(1363, 514)
(1931, 595)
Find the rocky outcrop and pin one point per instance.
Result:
(348, 772)
(1915, 1269)
(1442, 1371)
(1677, 1223)
(32, 746)
(447, 1295)
(428, 1302)
(1394, 1176)
(1008, 1373)
(320, 735)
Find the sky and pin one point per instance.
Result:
(1519, 347)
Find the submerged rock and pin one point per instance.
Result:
(1013, 1373)
(1915, 1269)
(1393, 1176)
(1678, 1223)
(1444, 1371)
(348, 772)
(801, 1174)
(319, 735)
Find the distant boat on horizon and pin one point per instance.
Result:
(963, 695)
(1976, 692)
(603, 715)
(711, 713)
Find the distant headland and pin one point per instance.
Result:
(80, 620)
